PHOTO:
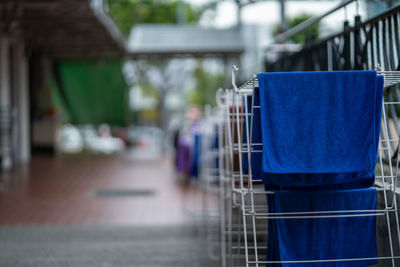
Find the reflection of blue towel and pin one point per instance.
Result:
(319, 128)
(323, 238)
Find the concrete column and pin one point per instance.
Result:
(46, 71)
(284, 24)
(227, 72)
(181, 13)
(5, 103)
(21, 82)
(239, 15)
(4, 73)
(45, 126)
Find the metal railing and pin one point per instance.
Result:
(363, 46)
(310, 22)
(374, 44)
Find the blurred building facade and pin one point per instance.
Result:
(170, 43)
(34, 35)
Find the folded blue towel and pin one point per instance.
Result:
(323, 238)
(298, 181)
(320, 128)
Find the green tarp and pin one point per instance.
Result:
(92, 91)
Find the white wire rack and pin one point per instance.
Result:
(209, 173)
(243, 208)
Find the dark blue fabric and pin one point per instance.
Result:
(356, 184)
(320, 128)
(216, 145)
(378, 111)
(196, 156)
(272, 244)
(298, 179)
(323, 238)
(358, 180)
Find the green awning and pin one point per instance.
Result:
(92, 91)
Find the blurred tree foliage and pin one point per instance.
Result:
(309, 34)
(302, 37)
(127, 13)
(206, 85)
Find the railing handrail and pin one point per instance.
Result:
(393, 10)
(308, 23)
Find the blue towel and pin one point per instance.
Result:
(378, 111)
(196, 156)
(216, 144)
(359, 180)
(320, 128)
(298, 179)
(323, 238)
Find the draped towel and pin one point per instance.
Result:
(322, 238)
(320, 128)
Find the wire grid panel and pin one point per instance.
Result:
(245, 208)
(210, 181)
(232, 180)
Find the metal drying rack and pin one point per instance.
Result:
(243, 208)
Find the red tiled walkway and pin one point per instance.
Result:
(61, 190)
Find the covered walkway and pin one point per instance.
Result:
(89, 189)
(99, 211)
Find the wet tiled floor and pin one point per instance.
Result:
(62, 190)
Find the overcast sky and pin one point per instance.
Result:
(267, 13)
